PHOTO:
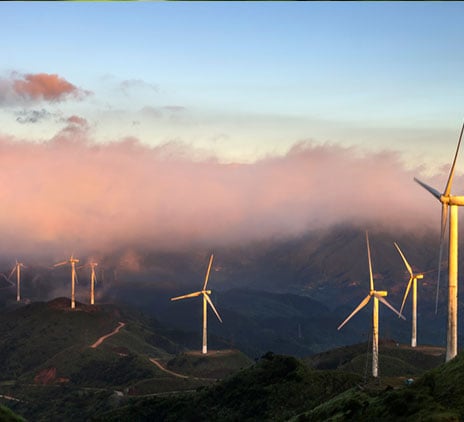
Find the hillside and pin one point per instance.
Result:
(437, 396)
(275, 388)
(58, 362)
(394, 359)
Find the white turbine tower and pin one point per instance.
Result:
(17, 268)
(206, 299)
(72, 261)
(93, 279)
(453, 202)
(377, 296)
(412, 282)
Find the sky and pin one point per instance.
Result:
(169, 123)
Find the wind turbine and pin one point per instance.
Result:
(452, 202)
(17, 268)
(93, 279)
(206, 299)
(72, 261)
(377, 295)
(412, 281)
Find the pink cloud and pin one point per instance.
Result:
(70, 194)
(36, 87)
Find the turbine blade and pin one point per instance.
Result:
(207, 272)
(433, 191)
(384, 301)
(371, 278)
(358, 308)
(212, 306)
(406, 294)
(186, 296)
(451, 175)
(7, 279)
(60, 264)
(12, 272)
(406, 263)
(444, 216)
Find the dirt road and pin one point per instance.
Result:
(103, 338)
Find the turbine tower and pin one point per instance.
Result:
(377, 295)
(452, 202)
(93, 279)
(17, 268)
(206, 299)
(72, 261)
(412, 282)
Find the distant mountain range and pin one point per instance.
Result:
(285, 295)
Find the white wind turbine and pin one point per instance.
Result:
(17, 267)
(377, 295)
(412, 282)
(206, 299)
(453, 202)
(72, 261)
(93, 280)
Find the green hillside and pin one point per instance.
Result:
(275, 388)
(281, 388)
(394, 359)
(70, 364)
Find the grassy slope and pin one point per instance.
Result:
(275, 388)
(437, 395)
(47, 358)
(394, 359)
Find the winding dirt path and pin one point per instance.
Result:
(103, 338)
(153, 360)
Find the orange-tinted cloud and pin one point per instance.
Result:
(36, 87)
(70, 194)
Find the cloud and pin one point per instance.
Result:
(71, 194)
(129, 85)
(32, 88)
(33, 116)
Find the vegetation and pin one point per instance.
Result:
(276, 388)
(49, 372)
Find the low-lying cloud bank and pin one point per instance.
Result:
(72, 195)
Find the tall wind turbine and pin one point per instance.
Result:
(93, 279)
(206, 299)
(72, 261)
(412, 282)
(452, 202)
(377, 295)
(17, 268)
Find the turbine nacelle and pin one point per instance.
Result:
(377, 293)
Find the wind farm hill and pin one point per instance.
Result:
(281, 387)
(140, 369)
(61, 363)
(438, 395)
(396, 360)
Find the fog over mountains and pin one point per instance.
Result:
(299, 287)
